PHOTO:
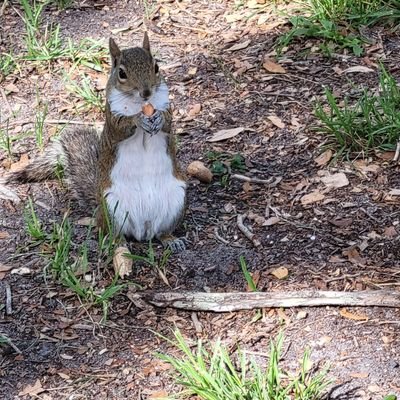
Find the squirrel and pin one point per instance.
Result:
(131, 166)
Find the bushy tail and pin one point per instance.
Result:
(42, 167)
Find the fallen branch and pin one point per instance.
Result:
(271, 182)
(227, 302)
(397, 153)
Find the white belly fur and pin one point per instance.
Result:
(145, 197)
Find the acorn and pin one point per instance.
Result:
(148, 110)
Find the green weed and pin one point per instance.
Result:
(7, 65)
(85, 92)
(33, 225)
(40, 118)
(372, 122)
(247, 275)
(222, 164)
(211, 373)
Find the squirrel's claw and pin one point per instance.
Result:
(176, 245)
(152, 124)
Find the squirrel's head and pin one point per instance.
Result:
(134, 70)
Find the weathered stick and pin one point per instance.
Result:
(227, 302)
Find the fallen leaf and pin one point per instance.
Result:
(358, 68)
(271, 221)
(122, 264)
(342, 222)
(324, 340)
(271, 66)
(395, 192)
(4, 235)
(32, 390)
(86, 221)
(374, 388)
(355, 317)
(239, 46)
(283, 316)
(23, 162)
(11, 88)
(301, 315)
(101, 82)
(359, 375)
(364, 167)
(354, 256)
(390, 232)
(194, 110)
(280, 273)
(162, 394)
(224, 134)
(313, 197)
(276, 121)
(335, 180)
(21, 271)
(324, 158)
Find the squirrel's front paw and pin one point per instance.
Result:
(152, 124)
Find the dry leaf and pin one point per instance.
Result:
(23, 162)
(395, 192)
(224, 134)
(276, 121)
(4, 235)
(162, 394)
(239, 46)
(336, 180)
(355, 317)
(280, 273)
(301, 315)
(32, 390)
(7, 194)
(283, 316)
(364, 167)
(101, 82)
(324, 340)
(271, 221)
(21, 271)
(324, 158)
(11, 88)
(358, 68)
(86, 221)
(354, 256)
(390, 232)
(272, 66)
(312, 197)
(359, 375)
(194, 110)
(122, 264)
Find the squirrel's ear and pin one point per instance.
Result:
(146, 42)
(114, 51)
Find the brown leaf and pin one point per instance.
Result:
(162, 394)
(224, 134)
(194, 110)
(335, 180)
(280, 273)
(23, 162)
(122, 264)
(355, 317)
(7, 194)
(390, 232)
(313, 197)
(272, 66)
(276, 121)
(11, 88)
(324, 158)
(239, 46)
(342, 222)
(359, 375)
(32, 390)
(4, 235)
(271, 221)
(354, 256)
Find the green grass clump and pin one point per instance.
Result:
(212, 373)
(372, 122)
(337, 22)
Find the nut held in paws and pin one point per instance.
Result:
(148, 110)
(198, 170)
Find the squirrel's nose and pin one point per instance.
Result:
(145, 94)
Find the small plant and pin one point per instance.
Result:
(33, 224)
(62, 4)
(39, 125)
(42, 45)
(87, 52)
(211, 373)
(85, 91)
(249, 279)
(222, 164)
(372, 122)
(7, 65)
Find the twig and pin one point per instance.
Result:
(397, 153)
(56, 121)
(269, 182)
(220, 238)
(191, 28)
(8, 299)
(246, 231)
(227, 302)
(3, 7)
(4, 96)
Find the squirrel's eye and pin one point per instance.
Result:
(122, 75)
(156, 68)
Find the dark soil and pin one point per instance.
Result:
(347, 241)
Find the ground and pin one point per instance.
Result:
(343, 237)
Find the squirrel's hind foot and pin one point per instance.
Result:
(176, 245)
